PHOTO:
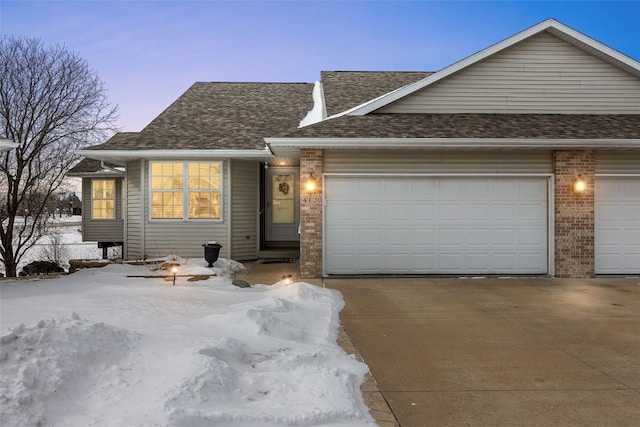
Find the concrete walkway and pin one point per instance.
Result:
(500, 352)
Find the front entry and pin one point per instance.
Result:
(282, 206)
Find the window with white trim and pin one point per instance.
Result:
(103, 199)
(186, 190)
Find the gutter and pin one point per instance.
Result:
(122, 156)
(395, 143)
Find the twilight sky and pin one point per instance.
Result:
(149, 52)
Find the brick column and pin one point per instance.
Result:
(311, 161)
(574, 214)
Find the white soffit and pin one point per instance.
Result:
(554, 27)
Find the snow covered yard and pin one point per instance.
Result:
(98, 348)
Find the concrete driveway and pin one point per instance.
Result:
(500, 352)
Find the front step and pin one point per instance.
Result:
(278, 253)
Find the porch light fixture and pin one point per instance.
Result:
(579, 185)
(310, 185)
(174, 270)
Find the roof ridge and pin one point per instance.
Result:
(376, 71)
(255, 83)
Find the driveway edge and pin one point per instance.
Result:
(373, 398)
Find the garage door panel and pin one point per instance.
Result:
(477, 261)
(478, 212)
(451, 212)
(532, 212)
(617, 225)
(505, 262)
(369, 237)
(505, 212)
(452, 263)
(397, 237)
(370, 263)
(610, 237)
(631, 213)
(450, 189)
(397, 190)
(505, 237)
(443, 225)
(424, 189)
(399, 212)
(370, 212)
(341, 236)
(531, 261)
(479, 191)
(530, 237)
(631, 261)
(424, 237)
(397, 263)
(478, 237)
(344, 189)
(451, 237)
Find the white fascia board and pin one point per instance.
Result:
(122, 156)
(392, 143)
(390, 97)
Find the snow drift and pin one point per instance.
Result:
(141, 352)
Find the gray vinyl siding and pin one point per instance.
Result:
(617, 162)
(415, 162)
(181, 237)
(101, 230)
(133, 244)
(540, 75)
(244, 208)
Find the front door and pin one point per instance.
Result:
(282, 205)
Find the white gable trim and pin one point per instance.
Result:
(582, 41)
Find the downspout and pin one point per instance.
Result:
(125, 213)
(229, 216)
(143, 217)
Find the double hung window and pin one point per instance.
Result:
(186, 190)
(103, 199)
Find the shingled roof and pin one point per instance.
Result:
(222, 116)
(344, 90)
(570, 126)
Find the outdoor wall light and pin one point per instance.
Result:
(579, 185)
(310, 185)
(174, 270)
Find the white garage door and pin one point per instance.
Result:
(617, 216)
(436, 225)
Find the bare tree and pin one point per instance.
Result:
(51, 103)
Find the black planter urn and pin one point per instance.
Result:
(211, 252)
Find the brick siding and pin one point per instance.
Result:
(311, 164)
(574, 214)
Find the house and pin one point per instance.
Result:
(523, 158)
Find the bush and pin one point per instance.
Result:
(41, 267)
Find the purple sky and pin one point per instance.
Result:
(150, 52)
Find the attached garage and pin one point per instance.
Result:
(617, 225)
(399, 224)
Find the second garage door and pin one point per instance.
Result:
(617, 225)
(436, 225)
